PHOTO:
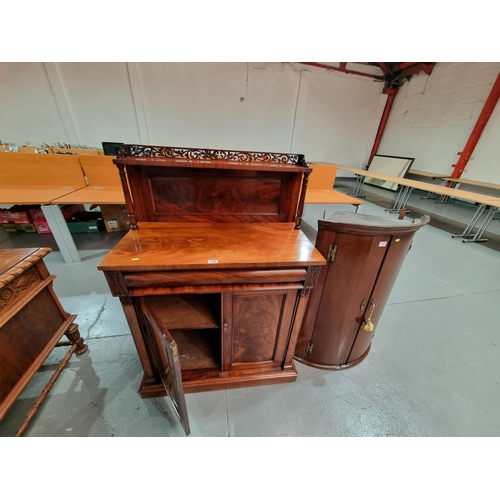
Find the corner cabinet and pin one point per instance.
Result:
(215, 275)
(364, 255)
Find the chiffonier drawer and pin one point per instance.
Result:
(215, 277)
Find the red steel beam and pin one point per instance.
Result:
(484, 116)
(383, 121)
(416, 69)
(402, 66)
(342, 70)
(385, 68)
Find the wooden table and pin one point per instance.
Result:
(437, 178)
(331, 197)
(488, 204)
(54, 180)
(469, 182)
(423, 173)
(32, 322)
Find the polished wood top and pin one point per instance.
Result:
(471, 182)
(425, 186)
(210, 245)
(14, 261)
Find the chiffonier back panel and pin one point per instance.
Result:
(173, 194)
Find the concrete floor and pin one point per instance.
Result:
(433, 369)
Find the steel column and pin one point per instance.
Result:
(61, 233)
(383, 121)
(484, 116)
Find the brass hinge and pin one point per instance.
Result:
(332, 250)
(309, 348)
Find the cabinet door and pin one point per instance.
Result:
(394, 258)
(164, 356)
(342, 307)
(256, 327)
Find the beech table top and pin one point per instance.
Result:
(31, 195)
(471, 182)
(94, 195)
(425, 186)
(330, 196)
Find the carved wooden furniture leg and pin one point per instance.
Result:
(74, 337)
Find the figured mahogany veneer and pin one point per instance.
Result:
(365, 254)
(215, 275)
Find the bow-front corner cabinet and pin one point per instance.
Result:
(215, 274)
(364, 255)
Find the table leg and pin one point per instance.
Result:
(401, 200)
(360, 180)
(61, 233)
(472, 223)
(446, 198)
(397, 203)
(430, 193)
(479, 233)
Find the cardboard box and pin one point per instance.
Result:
(74, 151)
(17, 214)
(114, 212)
(86, 222)
(40, 222)
(42, 226)
(113, 226)
(68, 211)
(19, 228)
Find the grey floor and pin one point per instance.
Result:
(433, 369)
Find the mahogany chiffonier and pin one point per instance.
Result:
(215, 274)
(32, 322)
(364, 256)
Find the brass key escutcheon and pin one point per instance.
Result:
(367, 323)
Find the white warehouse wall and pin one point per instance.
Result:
(432, 118)
(327, 116)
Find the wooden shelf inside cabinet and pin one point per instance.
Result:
(198, 349)
(187, 311)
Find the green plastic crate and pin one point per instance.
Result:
(86, 222)
(19, 228)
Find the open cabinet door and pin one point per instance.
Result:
(163, 353)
